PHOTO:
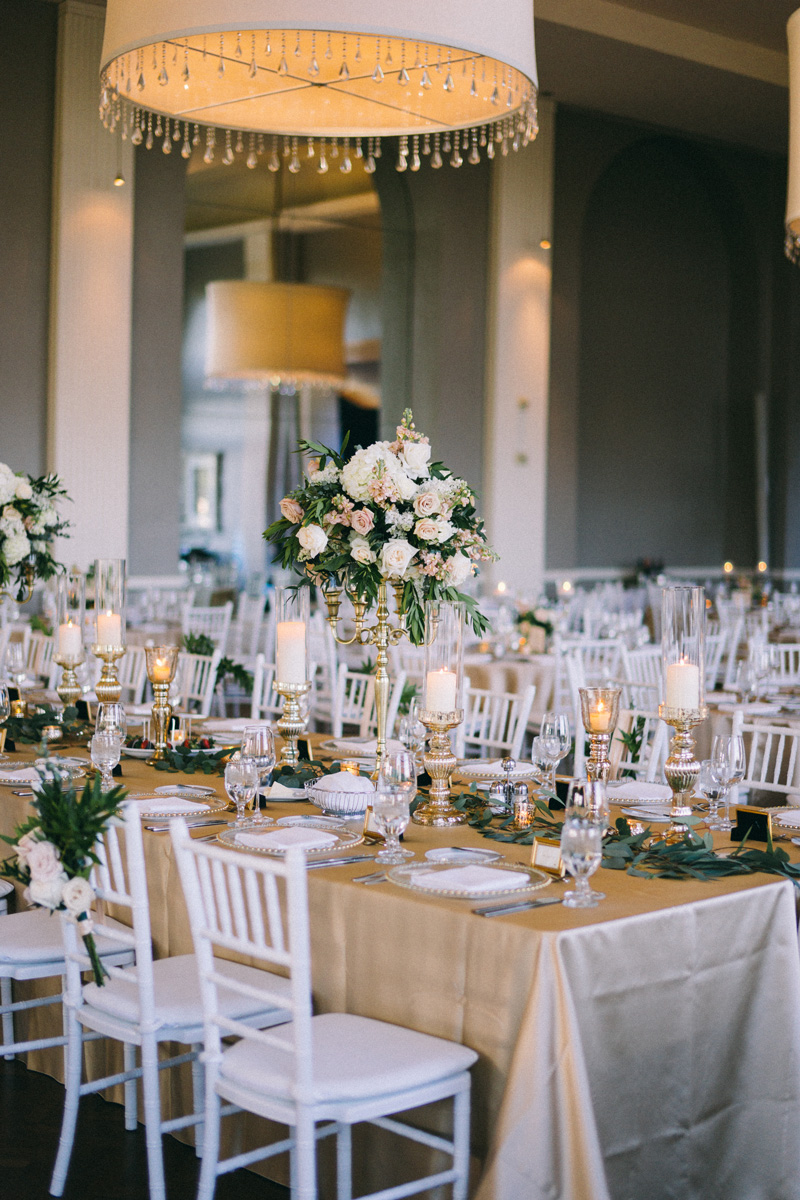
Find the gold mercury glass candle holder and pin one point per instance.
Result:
(161, 664)
(440, 762)
(681, 768)
(292, 721)
(599, 713)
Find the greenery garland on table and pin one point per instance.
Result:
(639, 854)
(28, 729)
(54, 851)
(191, 762)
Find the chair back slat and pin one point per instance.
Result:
(771, 753)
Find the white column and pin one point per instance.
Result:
(90, 317)
(518, 359)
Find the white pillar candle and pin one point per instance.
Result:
(683, 685)
(161, 670)
(290, 665)
(440, 691)
(600, 718)
(70, 640)
(109, 629)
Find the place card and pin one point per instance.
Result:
(546, 855)
(755, 824)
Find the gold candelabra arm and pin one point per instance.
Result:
(29, 581)
(333, 601)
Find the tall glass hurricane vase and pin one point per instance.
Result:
(70, 607)
(442, 706)
(291, 666)
(109, 606)
(683, 657)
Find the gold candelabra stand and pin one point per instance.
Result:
(108, 688)
(69, 690)
(381, 635)
(440, 762)
(28, 587)
(292, 721)
(681, 768)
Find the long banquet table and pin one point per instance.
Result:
(648, 1047)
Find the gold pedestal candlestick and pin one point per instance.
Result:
(440, 762)
(292, 722)
(597, 764)
(162, 715)
(599, 713)
(108, 688)
(381, 635)
(69, 690)
(681, 768)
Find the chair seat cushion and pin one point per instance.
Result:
(6, 887)
(177, 992)
(353, 1058)
(34, 936)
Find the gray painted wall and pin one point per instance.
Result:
(27, 67)
(155, 477)
(666, 275)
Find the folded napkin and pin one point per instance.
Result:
(633, 789)
(364, 746)
(227, 725)
(475, 880)
(759, 708)
(486, 766)
(170, 804)
(282, 839)
(25, 775)
(279, 792)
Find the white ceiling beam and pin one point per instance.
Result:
(623, 24)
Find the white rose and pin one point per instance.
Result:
(23, 490)
(361, 552)
(405, 486)
(25, 845)
(313, 539)
(415, 457)
(16, 548)
(78, 896)
(47, 892)
(43, 861)
(457, 569)
(395, 557)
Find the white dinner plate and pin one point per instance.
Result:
(138, 751)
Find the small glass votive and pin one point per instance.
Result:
(350, 767)
(523, 807)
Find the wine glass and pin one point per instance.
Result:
(241, 782)
(554, 742)
(581, 851)
(398, 773)
(392, 814)
(111, 718)
(713, 791)
(259, 744)
(746, 685)
(728, 765)
(105, 750)
(16, 664)
(411, 731)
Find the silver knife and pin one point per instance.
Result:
(501, 910)
(191, 824)
(339, 862)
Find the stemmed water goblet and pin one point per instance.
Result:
(111, 718)
(728, 765)
(241, 783)
(16, 665)
(581, 852)
(713, 791)
(554, 742)
(259, 744)
(105, 750)
(392, 814)
(746, 685)
(398, 775)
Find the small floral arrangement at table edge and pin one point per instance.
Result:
(29, 520)
(54, 852)
(385, 512)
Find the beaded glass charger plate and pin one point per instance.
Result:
(184, 789)
(787, 818)
(471, 881)
(273, 841)
(160, 805)
(489, 769)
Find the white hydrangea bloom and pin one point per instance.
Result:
(329, 474)
(16, 548)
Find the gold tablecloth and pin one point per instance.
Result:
(645, 1047)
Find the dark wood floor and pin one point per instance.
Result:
(107, 1163)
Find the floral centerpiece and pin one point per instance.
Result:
(384, 513)
(29, 521)
(54, 851)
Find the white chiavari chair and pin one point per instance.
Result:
(785, 664)
(145, 1005)
(494, 723)
(354, 703)
(773, 757)
(40, 650)
(715, 647)
(195, 682)
(213, 621)
(641, 678)
(646, 760)
(336, 1068)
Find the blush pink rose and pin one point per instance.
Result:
(291, 510)
(427, 504)
(427, 529)
(43, 862)
(362, 521)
